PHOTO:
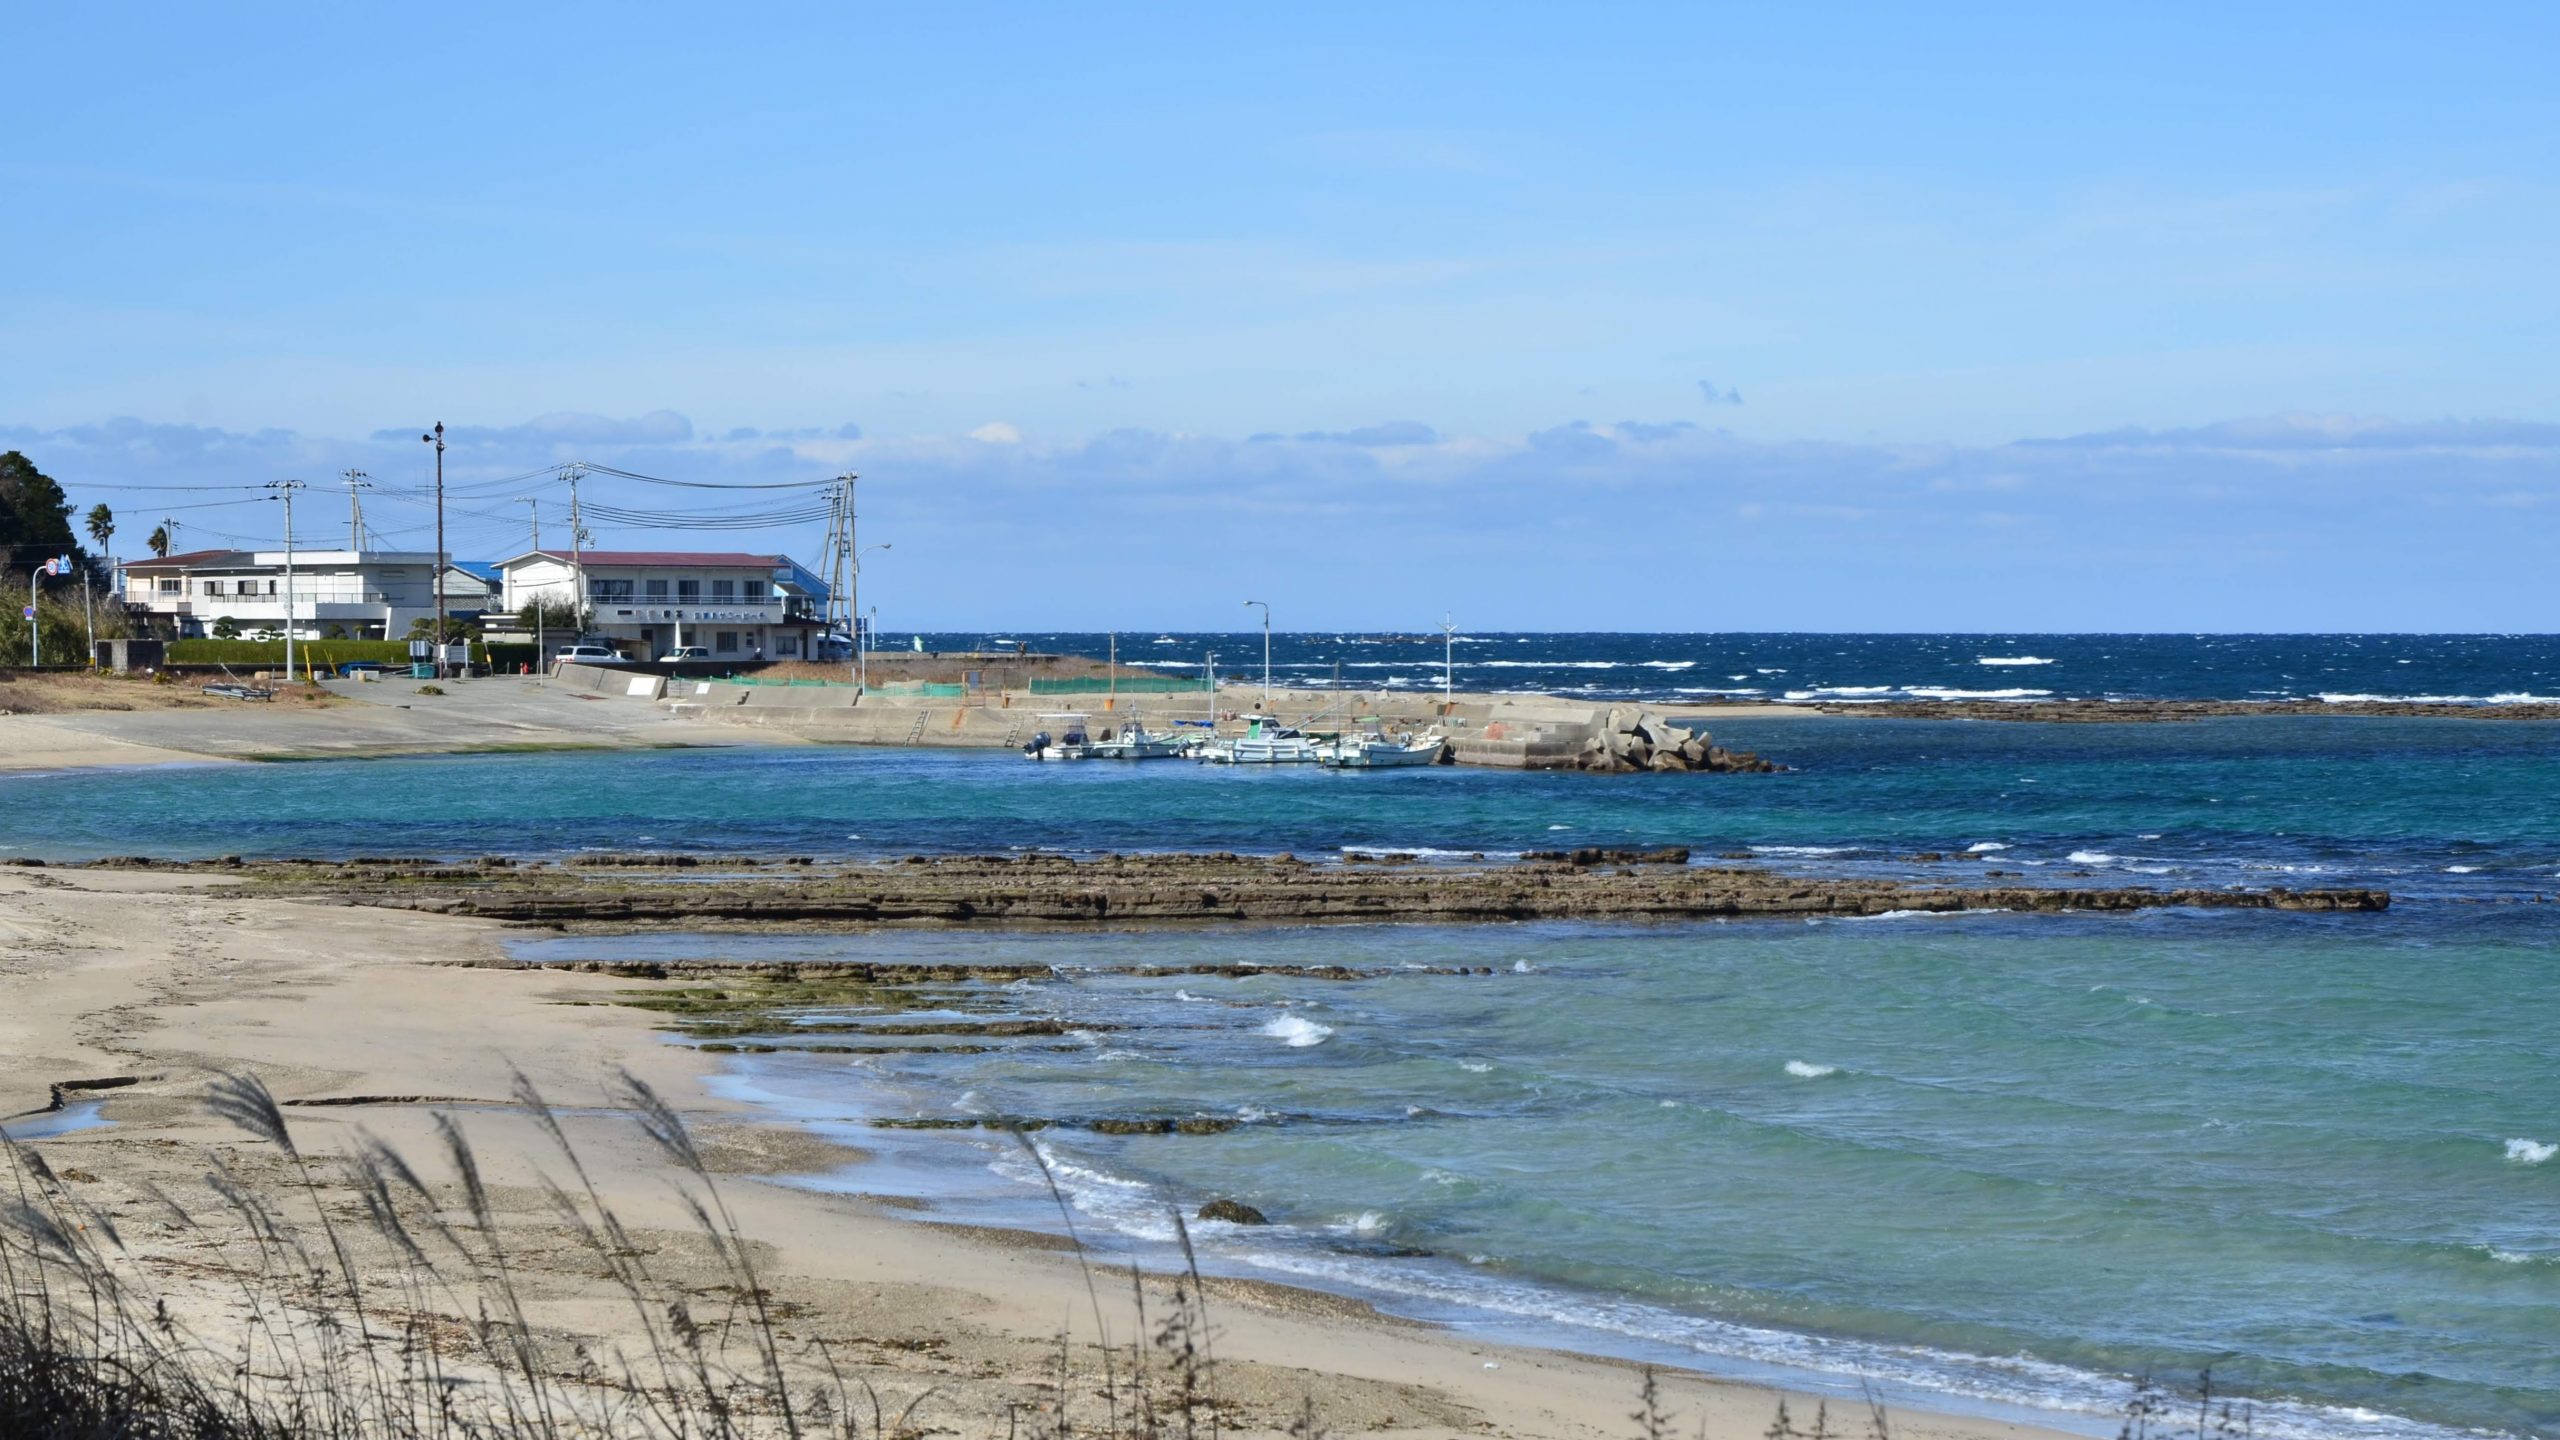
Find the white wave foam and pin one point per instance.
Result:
(1984, 847)
(1426, 852)
(1804, 1070)
(2012, 660)
(1296, 1031)
(2090, 857)
(1934, 692)
(2530, 1152)
(2461, 869)
(1925, 914)
(1804, 849)
(1475, 1067)
(1669, 664)
(1134, 1208)
(2510, 697)
(1522, 967)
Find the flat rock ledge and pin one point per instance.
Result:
(1158, 889)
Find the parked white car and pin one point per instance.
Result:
(591, 655)
(689, 652)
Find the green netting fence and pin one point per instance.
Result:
(1126, 684)
(923, 688)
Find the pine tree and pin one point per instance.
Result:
(35, 517)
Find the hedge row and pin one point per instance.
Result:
(323, 653)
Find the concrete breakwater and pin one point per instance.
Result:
(1174, 888)
(1511, 732)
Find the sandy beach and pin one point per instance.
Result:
(372, 1021)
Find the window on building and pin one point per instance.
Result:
(724, 589)
(688, 590)
(612, 589)
(726, 642)
(656, 590)
(171, 585)
(755, 589)
(213, 587)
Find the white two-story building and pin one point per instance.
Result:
(648, 603)
(332, 594)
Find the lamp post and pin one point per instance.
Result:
(436, 438)
(862, 632)
(1266, 652)
(533, 507)
(1448, 659)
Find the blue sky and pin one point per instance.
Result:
(1587, 317)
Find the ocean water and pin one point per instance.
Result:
(1853, 668)
(1995, 1160)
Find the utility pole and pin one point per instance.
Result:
(1266, 653)
(436, 438)
(286, 488)
(577, 565)
(849, 575)
(356, 486)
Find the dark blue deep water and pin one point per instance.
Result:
(1808, 667)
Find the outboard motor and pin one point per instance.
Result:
(1038, 743)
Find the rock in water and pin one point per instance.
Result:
(1234, 1212)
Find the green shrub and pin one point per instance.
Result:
(323, 653)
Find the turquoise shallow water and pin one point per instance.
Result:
(2010, 1157)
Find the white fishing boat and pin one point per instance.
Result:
(1134, 741)
(1061, 737)
(1377, 750)
(1265, 742)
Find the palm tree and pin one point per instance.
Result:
(102, 526)
(159, 541)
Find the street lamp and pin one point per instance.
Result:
(1266, 651)
(435, 437)
(861, 632)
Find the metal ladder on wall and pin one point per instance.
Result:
(1012, 734)
(915, 732)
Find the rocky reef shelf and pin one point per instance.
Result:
(1051, 890)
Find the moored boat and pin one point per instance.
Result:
(1265, 742)
(1376, 750)
(1069, 743)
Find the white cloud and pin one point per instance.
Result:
(996, 432)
